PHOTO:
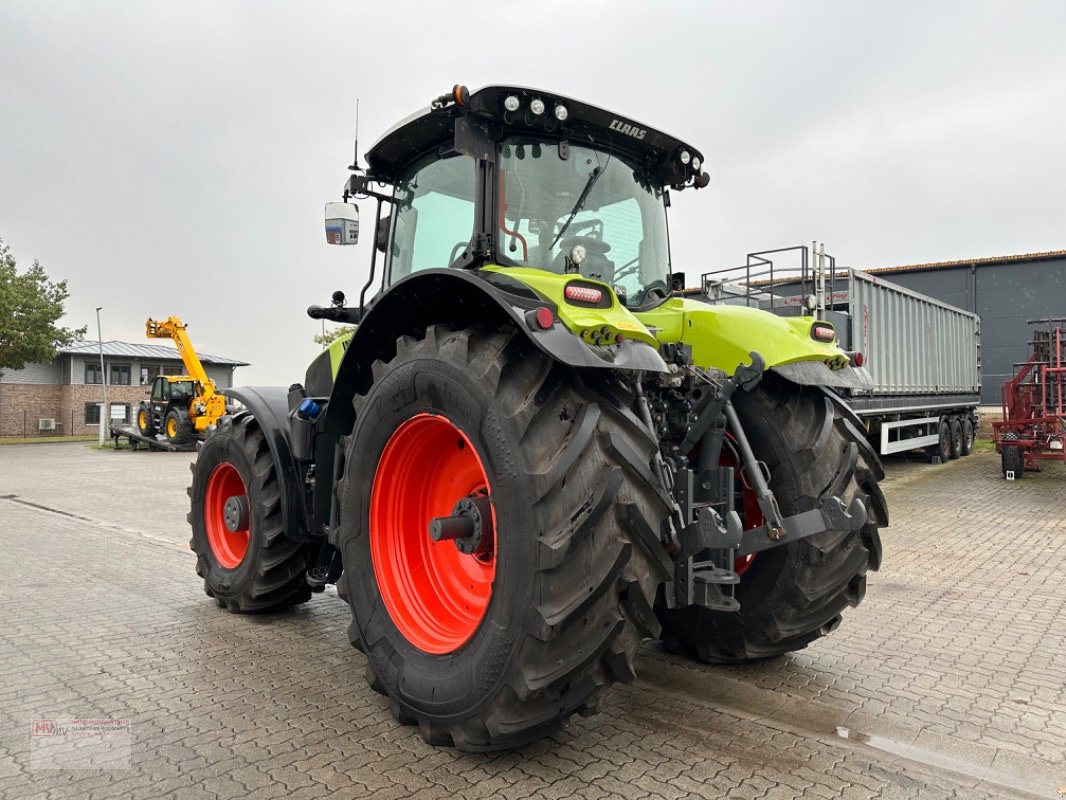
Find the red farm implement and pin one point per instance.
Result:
(1034, 404)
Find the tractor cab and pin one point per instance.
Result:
(515, 177)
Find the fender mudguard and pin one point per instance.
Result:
(462, 298)
(270, 407)
(721, 336)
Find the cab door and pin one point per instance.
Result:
(160, 399)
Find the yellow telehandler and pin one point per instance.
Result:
(182, 407)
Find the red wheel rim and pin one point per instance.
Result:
(435, 594)
(229, 547)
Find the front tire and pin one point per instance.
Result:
(791, 595)
(145, 425)
(177, 426)
(238, 535)
(497, 647)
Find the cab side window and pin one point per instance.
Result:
(434, 217)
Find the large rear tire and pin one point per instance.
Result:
(242, 553)
(793, 594)
(497, 647)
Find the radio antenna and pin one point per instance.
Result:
(355, 158)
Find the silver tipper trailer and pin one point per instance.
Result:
(923, 356)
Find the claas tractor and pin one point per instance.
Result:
(181, 407)
(531, 454)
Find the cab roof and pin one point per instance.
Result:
(583, 124)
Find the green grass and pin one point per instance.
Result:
(47, 439)
(983, 446)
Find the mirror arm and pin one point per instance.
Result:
(373, 256)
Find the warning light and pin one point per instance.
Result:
(582, 294)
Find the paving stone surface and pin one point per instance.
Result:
(949, 681)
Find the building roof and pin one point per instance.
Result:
(966, 262)
(148, 351)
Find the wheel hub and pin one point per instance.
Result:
(235, 513)
(469, 526)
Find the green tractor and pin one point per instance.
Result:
(531, 454)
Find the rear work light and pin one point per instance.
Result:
(583, 294)
(823, 333)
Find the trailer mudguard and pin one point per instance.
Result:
(483, 297)
(270, 407)
(722, 336)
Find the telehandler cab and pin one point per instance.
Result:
(531, 455)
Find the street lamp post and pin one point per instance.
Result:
(105, 412)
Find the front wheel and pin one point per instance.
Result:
(145, 424)
(793, 594)
(177, 426)
(242, 553)
(499, 528)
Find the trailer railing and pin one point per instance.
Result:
(809, 274)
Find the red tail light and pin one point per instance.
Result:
(823, 333)
(582, 294)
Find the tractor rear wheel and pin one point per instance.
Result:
(238, 535)
(177, 426)
(145, 425)
(793, 594)
(494, 639)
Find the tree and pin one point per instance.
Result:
(333, 335)
(30, 306)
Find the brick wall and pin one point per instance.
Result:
(22, 404)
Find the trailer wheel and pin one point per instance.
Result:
(145, 425)
(242, 553)
(967, 436)
(1013, 460)
(943, 445)
(791, 595)
(956, 437)
(496, 638)
(177, 426)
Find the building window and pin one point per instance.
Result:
(120, 374)
(173, 370)
(92, 413)
(148, 373)
(92, 372)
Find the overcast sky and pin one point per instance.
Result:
(173, 158)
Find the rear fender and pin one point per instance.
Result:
(462, 299)
(270, 407)
(722, 336)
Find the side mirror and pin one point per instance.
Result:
(342, 223)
